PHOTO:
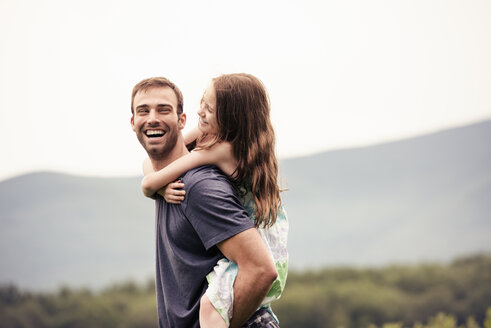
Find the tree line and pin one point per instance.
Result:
(431, 295)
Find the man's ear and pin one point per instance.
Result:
(181, 121)
(132, 123)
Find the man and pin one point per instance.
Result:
(210, 223)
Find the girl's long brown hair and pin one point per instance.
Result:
(243, 117)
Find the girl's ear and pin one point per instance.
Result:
(181, 121)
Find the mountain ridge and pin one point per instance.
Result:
(424, 198)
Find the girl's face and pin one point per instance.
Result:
(207, 112)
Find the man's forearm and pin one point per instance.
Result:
(250, 288)
(256, 273)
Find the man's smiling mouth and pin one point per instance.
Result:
(154, 133)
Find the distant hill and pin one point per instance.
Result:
(425, 198)
(60, 229)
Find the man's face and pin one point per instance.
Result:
(155, 121)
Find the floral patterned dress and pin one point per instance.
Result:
(221, 279)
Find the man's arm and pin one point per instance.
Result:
(256, 273)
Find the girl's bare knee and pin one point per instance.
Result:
(207, 310)
(205, 305)
(208, 315)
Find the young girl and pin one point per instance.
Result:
(235, 134)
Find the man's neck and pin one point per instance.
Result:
(177, 152)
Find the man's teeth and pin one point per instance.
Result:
(155, 133)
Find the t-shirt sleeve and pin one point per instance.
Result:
(215, 211)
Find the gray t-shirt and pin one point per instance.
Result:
(186, 239)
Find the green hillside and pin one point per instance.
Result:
(425, 198)
(392, 297)
(408, 200)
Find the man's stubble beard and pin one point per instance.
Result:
(158, 154)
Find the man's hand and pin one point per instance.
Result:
(256, 273)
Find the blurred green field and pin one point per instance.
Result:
(429, 295)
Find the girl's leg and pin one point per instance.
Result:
(209, 316)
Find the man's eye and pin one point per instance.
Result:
(164, 110)
(142, 111)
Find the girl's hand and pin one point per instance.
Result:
(173, 193)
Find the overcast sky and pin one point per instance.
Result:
(340, 73)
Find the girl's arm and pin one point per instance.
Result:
(147, 169)
(219, 155)
(147, 166)
(173, 193)
(192, 135)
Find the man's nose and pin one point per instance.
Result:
(200, 111)
(152, 117)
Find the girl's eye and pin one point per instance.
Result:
(209, 109)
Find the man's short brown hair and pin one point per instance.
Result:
(158, 82)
